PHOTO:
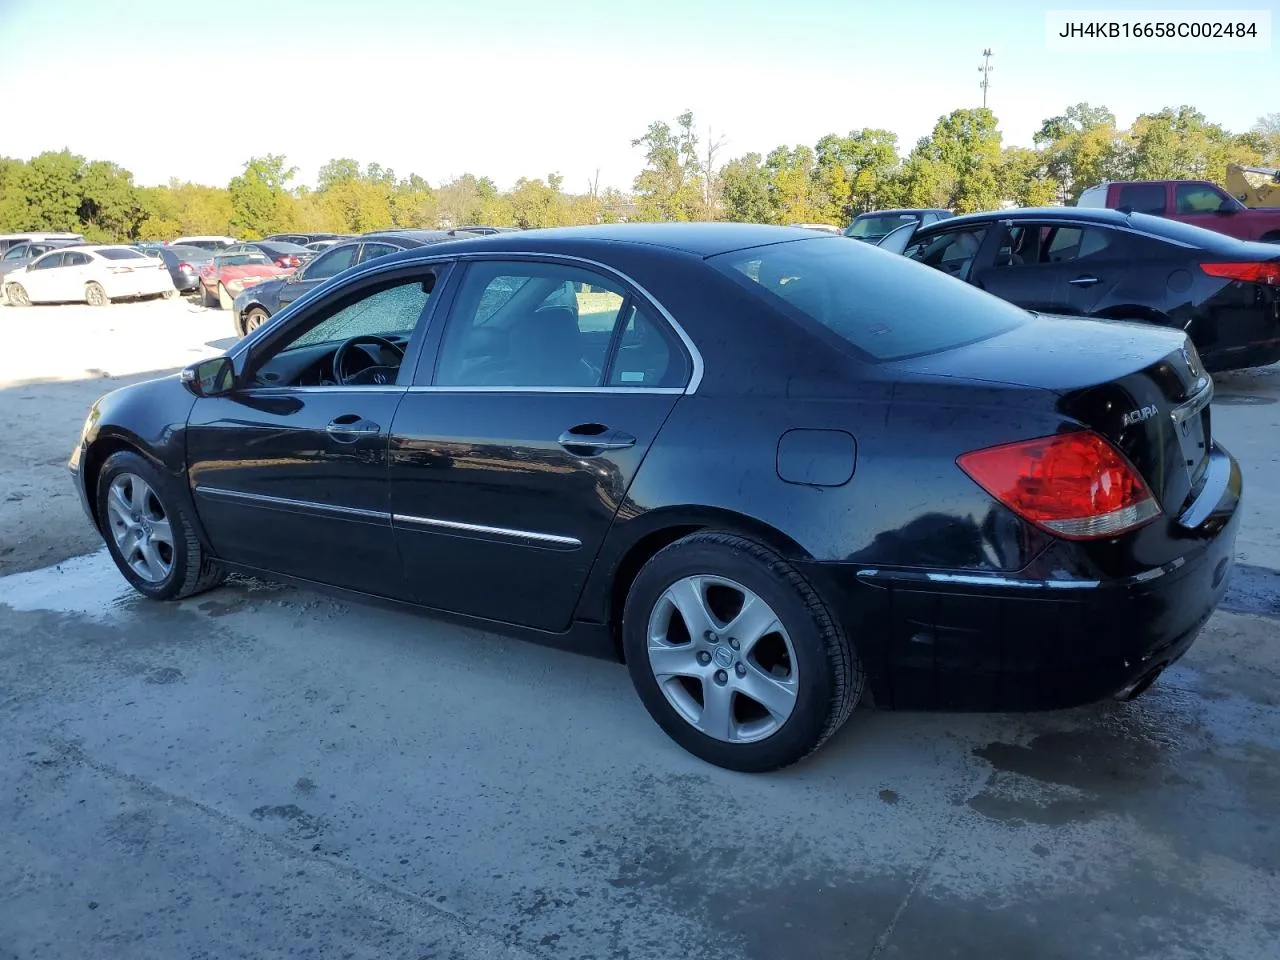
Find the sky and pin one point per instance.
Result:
(506, 89)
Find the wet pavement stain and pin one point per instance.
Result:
(1253, 589)
(301, 824)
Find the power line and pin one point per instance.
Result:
(985, 70)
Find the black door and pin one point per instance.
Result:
(1056, 268)
(289, 471)
(328, 264)
(510, 461)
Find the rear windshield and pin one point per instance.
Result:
(241, 259)
(879, 226)
(883, 305)
(120, 253)
(278, 247)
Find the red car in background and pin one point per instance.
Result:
(226, 275)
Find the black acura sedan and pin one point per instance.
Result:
(770, 470)
(1110, 265)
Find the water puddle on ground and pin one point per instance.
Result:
(89, 585)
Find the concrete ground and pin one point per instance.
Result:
(262, 772)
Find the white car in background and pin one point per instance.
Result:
(95, 275)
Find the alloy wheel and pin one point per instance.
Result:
(95, 295)
(722, 658)
(140, 527)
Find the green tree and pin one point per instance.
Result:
(965, 146)
(110, 207)
(1181, 144)
(45, 193)
(745, 190)
(260, 199)
(1082, 148)
(1025, 178)
(856, 171)
(1267, 130)
(793, 197)
(670, 185)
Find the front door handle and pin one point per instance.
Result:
(593, 438)
(349, 425)
(1084, 281)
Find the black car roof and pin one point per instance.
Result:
(1091, 214)
(699, 239)
(900, 210)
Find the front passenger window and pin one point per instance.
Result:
(951, 252)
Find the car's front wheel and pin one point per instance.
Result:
(148, 532)
(17, 295)
(735, 655)
(253, 319)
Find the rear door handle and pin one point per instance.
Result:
(1084, 281)
(351, 425)
(595, 437)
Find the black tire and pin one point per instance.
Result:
(224, 299)
(205, 299)
(830, 674)
(16, 294)
(191, 570)
(253, 318)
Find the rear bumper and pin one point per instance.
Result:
(978, 641)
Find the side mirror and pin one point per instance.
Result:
(209, 378)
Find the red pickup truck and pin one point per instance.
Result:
(1197, 202)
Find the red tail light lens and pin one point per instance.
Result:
(1265, 272)
(185, 267)
(1075, 485)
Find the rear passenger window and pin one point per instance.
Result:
(1143, 198)
(1072, 243)
(545, 325)
(644, 355)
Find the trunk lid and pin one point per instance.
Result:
(1142, 388)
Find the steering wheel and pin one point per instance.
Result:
(378, 373)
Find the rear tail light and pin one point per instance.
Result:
(287, 261)
(185, 267)
(1265, 271)
(1075, 485)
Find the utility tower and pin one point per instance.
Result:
(985, 70)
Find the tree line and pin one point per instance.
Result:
(961, 165)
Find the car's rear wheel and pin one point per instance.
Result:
(224, 298)
(735, 655)
(205, 299)
(94, 295)
(148, 532)
(253, 319)
(17, 295)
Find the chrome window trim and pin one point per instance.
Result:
(270, 501)
(515, 390)
(697, 367)
(387, 517)
(548, 538)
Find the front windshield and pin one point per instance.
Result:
(875, 227)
